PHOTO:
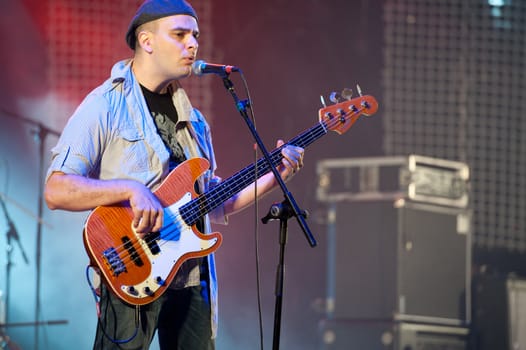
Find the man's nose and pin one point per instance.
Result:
(192, 43)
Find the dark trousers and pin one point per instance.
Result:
(181, 317)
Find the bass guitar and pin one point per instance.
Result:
(138, 270)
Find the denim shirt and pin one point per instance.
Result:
(112, 135)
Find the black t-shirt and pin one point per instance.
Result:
(165, 117)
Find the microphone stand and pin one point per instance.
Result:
(283, 212)
(11, 234)
(289, 203)
(41, 133)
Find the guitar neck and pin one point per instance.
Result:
(203, 204)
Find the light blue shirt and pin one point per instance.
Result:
(112, 135)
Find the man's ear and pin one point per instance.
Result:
(144, 40)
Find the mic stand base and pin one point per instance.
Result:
(33, 324)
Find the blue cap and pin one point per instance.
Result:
(151, 10)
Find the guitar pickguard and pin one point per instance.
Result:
(176, 240)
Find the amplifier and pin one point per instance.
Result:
(499, 312)
(414, 177)
(399, 260)
(342, 334)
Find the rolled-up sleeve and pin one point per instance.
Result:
(77, 151)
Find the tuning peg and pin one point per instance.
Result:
(323, 101)
(347, 93)
(359, 90)
(335, 97)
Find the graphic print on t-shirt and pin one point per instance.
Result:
(167, 130)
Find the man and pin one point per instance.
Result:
(119, 145)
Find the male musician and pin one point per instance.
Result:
(119, 145)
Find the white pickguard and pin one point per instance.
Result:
(177, 239)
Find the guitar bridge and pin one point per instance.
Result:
(114, 261)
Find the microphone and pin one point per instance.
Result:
(200, 67)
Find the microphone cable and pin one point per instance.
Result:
(256, 214)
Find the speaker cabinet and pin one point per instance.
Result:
(499, 316)
(399, 260)
(351, 335)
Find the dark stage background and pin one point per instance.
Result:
(291, 52)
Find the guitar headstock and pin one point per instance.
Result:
(340, 116)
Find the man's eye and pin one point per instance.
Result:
(179, 35)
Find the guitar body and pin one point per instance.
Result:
(139, 270)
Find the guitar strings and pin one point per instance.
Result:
(169, 230)
(173, 229)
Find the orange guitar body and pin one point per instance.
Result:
(139, 270)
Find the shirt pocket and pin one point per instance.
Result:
(130, 134)
(130, 153)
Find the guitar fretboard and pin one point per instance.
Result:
(200, 206)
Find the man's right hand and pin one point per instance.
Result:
(147, 211)
(79, 193)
